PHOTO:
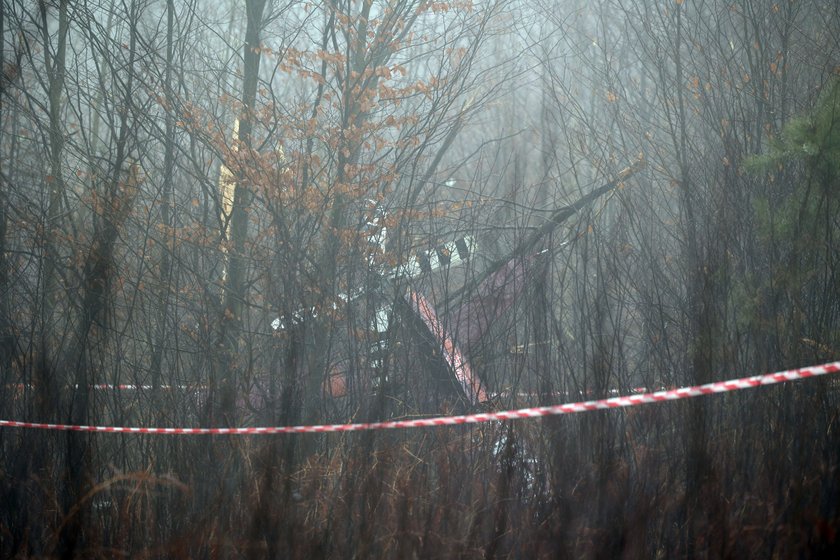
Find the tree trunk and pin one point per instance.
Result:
(235, 294)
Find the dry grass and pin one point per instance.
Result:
(612, 484)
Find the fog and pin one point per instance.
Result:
(273, 213)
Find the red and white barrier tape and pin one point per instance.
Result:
(121, 387)
(569, 408)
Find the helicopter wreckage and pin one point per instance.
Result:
(425, 342)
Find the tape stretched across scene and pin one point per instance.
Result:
(536, 412)
(121, 387)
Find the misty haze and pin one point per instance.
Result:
(291, 279)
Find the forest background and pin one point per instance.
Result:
(180, 179)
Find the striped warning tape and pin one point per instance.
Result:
(120, 387)
(569, 408)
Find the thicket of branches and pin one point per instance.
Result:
(203, 202)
